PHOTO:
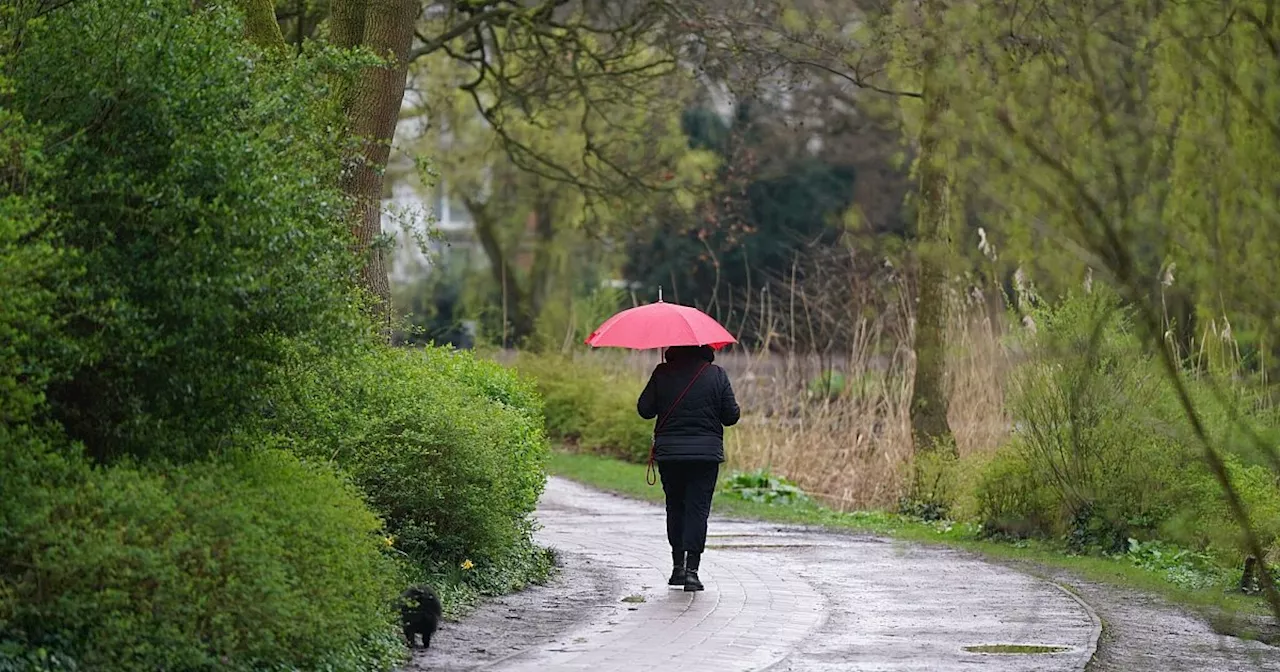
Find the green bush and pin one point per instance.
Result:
(934, 487)
(34, 267)
(615, 428)
(1205, 521)
(179, 281)
(566, 396)
(1088, 407)
(1094, 457)
(449, 450)
(251, 562)
(1010, 499)
(589, 408)
(494, 381)
(197, 188)
(1102, 452)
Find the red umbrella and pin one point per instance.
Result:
(660, 325)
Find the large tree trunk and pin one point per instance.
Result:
(930, 430)
(518, 322)
(260, 25)
(386, 28)
(347, 21)
(523, 303)
(540, 272)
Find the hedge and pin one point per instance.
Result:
(254, 561)
(448, 449)
(589, 407)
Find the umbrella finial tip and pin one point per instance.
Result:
(659, 293)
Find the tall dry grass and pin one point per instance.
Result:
(850, 450)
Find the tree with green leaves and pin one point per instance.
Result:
(773, 203)
(1140, 140)
(589, 158)
(893, 53)
(514, 50)
(922, 59)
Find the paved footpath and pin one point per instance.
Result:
(791, 598)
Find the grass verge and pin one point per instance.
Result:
(1227, 611)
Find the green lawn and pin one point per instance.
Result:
(1229, 611)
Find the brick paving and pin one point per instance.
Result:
(787, 598)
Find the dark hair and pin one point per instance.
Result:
(679, 354)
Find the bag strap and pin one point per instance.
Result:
(651, 472)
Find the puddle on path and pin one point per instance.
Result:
(752, 546)
(1022, 649)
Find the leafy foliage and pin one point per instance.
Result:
(158, 252)
(543, 178)
(31, 349)
(175, 247)
(250, 562)
(764, 487)
(589, 407)
(1161, 170)
(197, 188)
(1154, 181)
(35, 268)
(753, 225)
(1182, 567)
(1102, 453)
(452, 459)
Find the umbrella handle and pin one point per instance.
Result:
(650, 471)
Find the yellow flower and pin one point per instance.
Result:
(466, 564)
(390, 539)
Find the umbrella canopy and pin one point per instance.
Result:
(660, 325)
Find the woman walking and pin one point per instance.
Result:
(694, 402)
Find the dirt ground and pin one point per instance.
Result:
(580, 592)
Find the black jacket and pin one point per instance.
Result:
(694, 431)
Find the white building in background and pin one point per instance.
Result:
(430, 231)
(428, 228)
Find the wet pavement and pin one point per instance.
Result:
(782, 598)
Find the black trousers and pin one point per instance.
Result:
(688, 487)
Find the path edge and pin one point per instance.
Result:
(495, 663)
(1095, 636)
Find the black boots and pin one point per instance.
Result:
(691, 582)
(684, 571)
(677, 569)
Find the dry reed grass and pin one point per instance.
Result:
(851, 451)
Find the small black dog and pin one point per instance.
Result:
(420, 614)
